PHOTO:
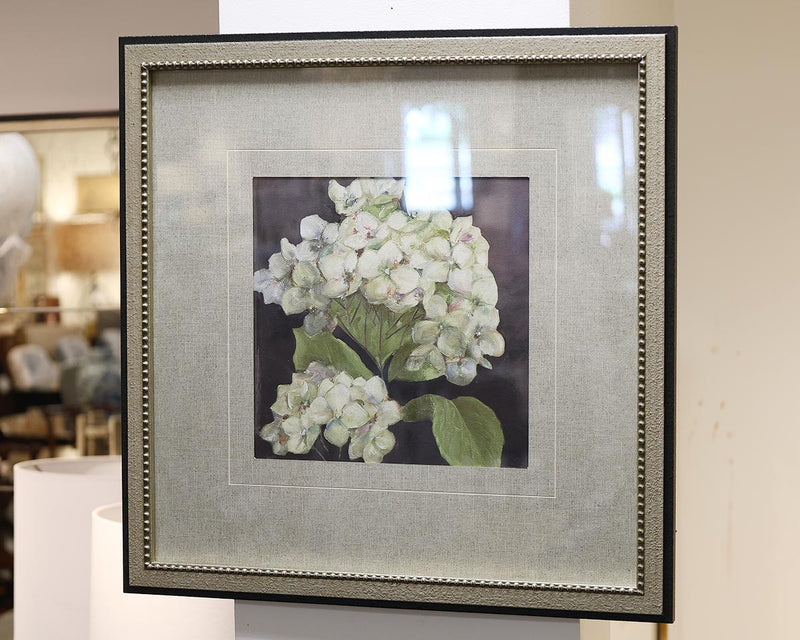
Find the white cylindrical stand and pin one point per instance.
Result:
(53, 502)
(115, 615)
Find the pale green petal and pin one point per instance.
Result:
(442, 220)
(293, 425)
(369, 264)
(279, 267)
(337, 398)
(353, 240)
(485, 290)
(405, 278)
(375, 390)
(270, 289)
(397, 220)
(417, 357)
(350, 259)
(336, 192)
(354, 415)
(436, 360)
(332, 266)
(435, 306)
(308, 251)
(436, 271)
(390, 254)
(486, 317)
(336, 433)
(460, 281)
(311, 227)
(330, 233)
(378, 289)
(461, 304)
(460, 320)
(451, 342)
(294, 300)
(390, 412)
(356, 448)
(378, 447)
(336, 288)
(357, 385)
(317, 301)
(367, 224)
(288, 250)
(463, 256)
(460, 225)
(305, 275)
(439, 248)
(343, 379)
(297, 444)
(492, 343)
(461, 373)
(425, 332)
(479, 272)
(279, 448)
(319, 411)
(384, 440)
(417, 258)
(403, 302)
(271, 432)
(280, 407)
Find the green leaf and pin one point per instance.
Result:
(381, 332)
(398, 371)
(328, 350)
(467, 432)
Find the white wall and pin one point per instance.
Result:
(738, 320)
(60, 56)
(738, 502)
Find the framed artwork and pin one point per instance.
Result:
(400, 319)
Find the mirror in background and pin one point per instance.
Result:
(59, 289)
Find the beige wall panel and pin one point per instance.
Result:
(61, 56)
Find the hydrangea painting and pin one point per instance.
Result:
(389, 333)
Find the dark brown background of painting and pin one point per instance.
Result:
(500, 209)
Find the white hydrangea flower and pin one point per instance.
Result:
(384, 273)
(347, 200)
(318, 235)
(364, 192)
(270, 287)
(469, 245)
(372, 445)
(295, 428)
(323, 400)
(400, 260)
(363, 230)
(485, 339)
(375, 188)
(476, 284)
(339, 271)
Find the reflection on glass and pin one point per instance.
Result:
(436, 150)
(616, 166)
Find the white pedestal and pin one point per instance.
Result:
(277, 621)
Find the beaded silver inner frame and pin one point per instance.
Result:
(144, 571)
